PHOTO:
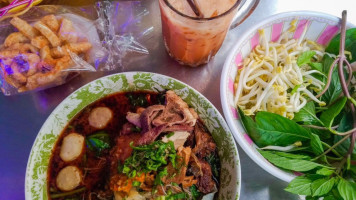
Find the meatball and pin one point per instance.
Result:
(100, 117)
(69, 178)
(72, 147)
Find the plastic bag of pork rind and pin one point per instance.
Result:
(48, 45)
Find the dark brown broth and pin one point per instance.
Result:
(96, 168)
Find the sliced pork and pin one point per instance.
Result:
(205, 144)
(176, 112)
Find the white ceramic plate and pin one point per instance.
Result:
(320, 28)
(36, 173)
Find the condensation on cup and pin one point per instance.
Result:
(193, 40)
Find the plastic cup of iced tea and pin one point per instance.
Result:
(194, 40)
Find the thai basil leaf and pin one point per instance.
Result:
(347, 189)
(316, 66)
(333, 195)
(276, 130)
(305, 58)
(311, 198)
(316, 145)
(251, 128)
(301, 185)
(214, 163)
(328, 116)
(307, 115)
(137, 100)
(294, 156)
(327, 61)
(98, 142)
(352, 171)
(322, 186)
(288, 163)
(323, 134)
(346, 124)
(350, 44)
(334, 89)
(325, 172)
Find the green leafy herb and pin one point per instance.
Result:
(137, 100)
(325, 172)
(274, 129)
(300, 185)
(347, 189)
(194, 192)
(98, 142)
(345, 125)
(288, 163)
(316, 145)
(136, 183)
(148, 158)
(305, 58)
(350, 44)
(307, 115)
(322, 186)
(316, 66)
(291, 155)
(214, 163)
(328, 116)
(250, 127)
(161, 97)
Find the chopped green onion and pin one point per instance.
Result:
(136, 183)
(195, 192)
(170, 134)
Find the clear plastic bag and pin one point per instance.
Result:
(125, 23)
(44, 54)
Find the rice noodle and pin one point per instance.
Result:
(270, 79)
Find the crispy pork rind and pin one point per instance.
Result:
(49, 45)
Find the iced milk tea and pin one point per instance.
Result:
(193, 40)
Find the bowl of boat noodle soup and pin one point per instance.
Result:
(134, 135)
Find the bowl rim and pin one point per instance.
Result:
(263, 163)
(224, 124)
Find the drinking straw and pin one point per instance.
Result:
(17, 6)
(195, 8)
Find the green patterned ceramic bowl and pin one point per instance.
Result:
(36, 173)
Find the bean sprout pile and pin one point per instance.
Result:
(271, 80)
